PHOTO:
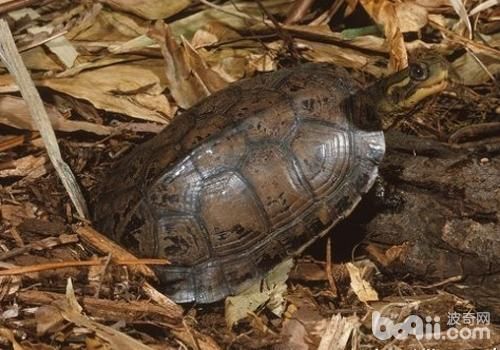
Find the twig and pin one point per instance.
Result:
(45, 243)
(111, 310)
(328, 14)
(42, 41)
(14, 63)
(475, 131)
(63, 264)
(233, 13)
(285, 36)
(474, 46)
(328, 267)
(298, 11)
(101, 275)
(452, 279)
(11, 5)
(104, 245)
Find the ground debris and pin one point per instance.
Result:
(113, 73)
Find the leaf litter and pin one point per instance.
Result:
(112, 73)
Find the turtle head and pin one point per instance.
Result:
(426, 75)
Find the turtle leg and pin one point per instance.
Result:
(386, 197)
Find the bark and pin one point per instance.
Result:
(447, 226)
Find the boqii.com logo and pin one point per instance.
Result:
(471, 326)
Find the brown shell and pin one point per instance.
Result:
(244, 179)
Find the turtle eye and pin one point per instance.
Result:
(419, 71)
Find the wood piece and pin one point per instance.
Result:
(105, 245)
(475, 131)
(20, 270)
(448, 223)
(110, 310)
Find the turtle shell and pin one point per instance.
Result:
(244, 179)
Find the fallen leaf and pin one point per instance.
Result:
(150, 9)
(9, 285)
(7, 334)
(224, 14)
(345, 57)
(48, 320)
(212, 33)
(134, 89)
(10, 311)
(384, 13)
(338, 332)
(471, 71)
(15, 114)
(71, 311)
(189, 77)
(304, 325)
(59, 46)
(103, 25)
(461, 11)
(361, 287)
(270, 291)
(37, 59)
(29, 167)
(411, 16)
(16, 214)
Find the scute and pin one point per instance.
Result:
(223, 154)
(181, 240)
(177, 191)
(223, 199)
(323, 153)
(271, 173)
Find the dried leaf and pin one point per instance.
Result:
(361, 287)
(384, 13)
(9, 285)
(7, 84)
(187, 26)
(25, 12)
(208, 77)
(15, 114)
(459, 7)
(38, 59)
(190, 79)
(483, 6)
(274, 286)
(29, 167)
(212, 33)
(411, 17)
(304, 325)
(71, 312)
(59, 46)
(134, 89)
(150, 9)
(109, 26)
(48, 320)
(472, 72)
(11, 311)
(338, 332)
(16, 214)
(7, 334)
(320, 52)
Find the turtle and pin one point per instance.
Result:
(254, 173)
